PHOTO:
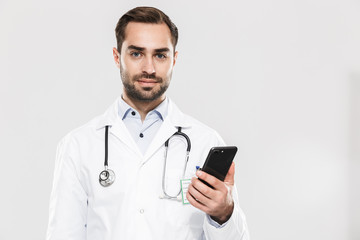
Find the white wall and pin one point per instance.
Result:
(279, 79)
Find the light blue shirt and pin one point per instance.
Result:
(143, 132)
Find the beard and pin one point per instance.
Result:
(146, 94)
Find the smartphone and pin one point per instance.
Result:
(218, 162)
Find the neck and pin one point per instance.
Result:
(143, 107)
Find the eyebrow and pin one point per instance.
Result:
(162, 50)
(142, 49)
(136, 48)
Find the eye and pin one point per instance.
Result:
(135, 54)
(160, 56)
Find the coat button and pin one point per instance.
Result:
(141, 211)
(133, 113)
(141, 135)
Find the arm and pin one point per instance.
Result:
(221, 204)
(68, 201)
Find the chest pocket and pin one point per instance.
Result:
(179, 215)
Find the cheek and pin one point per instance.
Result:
(130, 67)
(165, 69)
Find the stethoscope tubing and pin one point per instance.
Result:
(106, 146)
(178, 133)
(107, 176)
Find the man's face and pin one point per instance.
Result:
(146, 60)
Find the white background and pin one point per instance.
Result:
(280, 79)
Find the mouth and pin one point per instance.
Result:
(147, 82)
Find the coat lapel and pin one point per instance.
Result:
(118, 128)
(170, 125)
(120, 131)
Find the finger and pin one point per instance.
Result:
(229, 179)
(198, 195)
(213, 181)
(196, 204)
(202, 188)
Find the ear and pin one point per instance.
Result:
(116, 55)
(175, 57)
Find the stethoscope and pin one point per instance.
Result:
(107, 176)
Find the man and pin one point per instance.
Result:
(134, 203)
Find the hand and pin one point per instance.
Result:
(217, 202)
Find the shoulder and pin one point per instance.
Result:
(197, 129)
(93, 127)
(204, 132)
(80, 135)
(195, 123)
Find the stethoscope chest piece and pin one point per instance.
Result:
(106, 177)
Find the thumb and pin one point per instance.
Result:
(229, 179)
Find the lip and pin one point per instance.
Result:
(147, 82)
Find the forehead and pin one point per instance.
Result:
(147, 35)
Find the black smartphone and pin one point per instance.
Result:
(219, 161)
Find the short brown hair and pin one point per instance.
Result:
(144, 15)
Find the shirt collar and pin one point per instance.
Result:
(161, 111)
(173, 115)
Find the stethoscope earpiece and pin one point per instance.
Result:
(177, 198)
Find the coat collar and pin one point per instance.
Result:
(174, 119)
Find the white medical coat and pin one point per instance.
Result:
(80, 208)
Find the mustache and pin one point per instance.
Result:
(148, 76)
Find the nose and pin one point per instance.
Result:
(148, 65)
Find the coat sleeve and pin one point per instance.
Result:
(68, 201)
(235, 227)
